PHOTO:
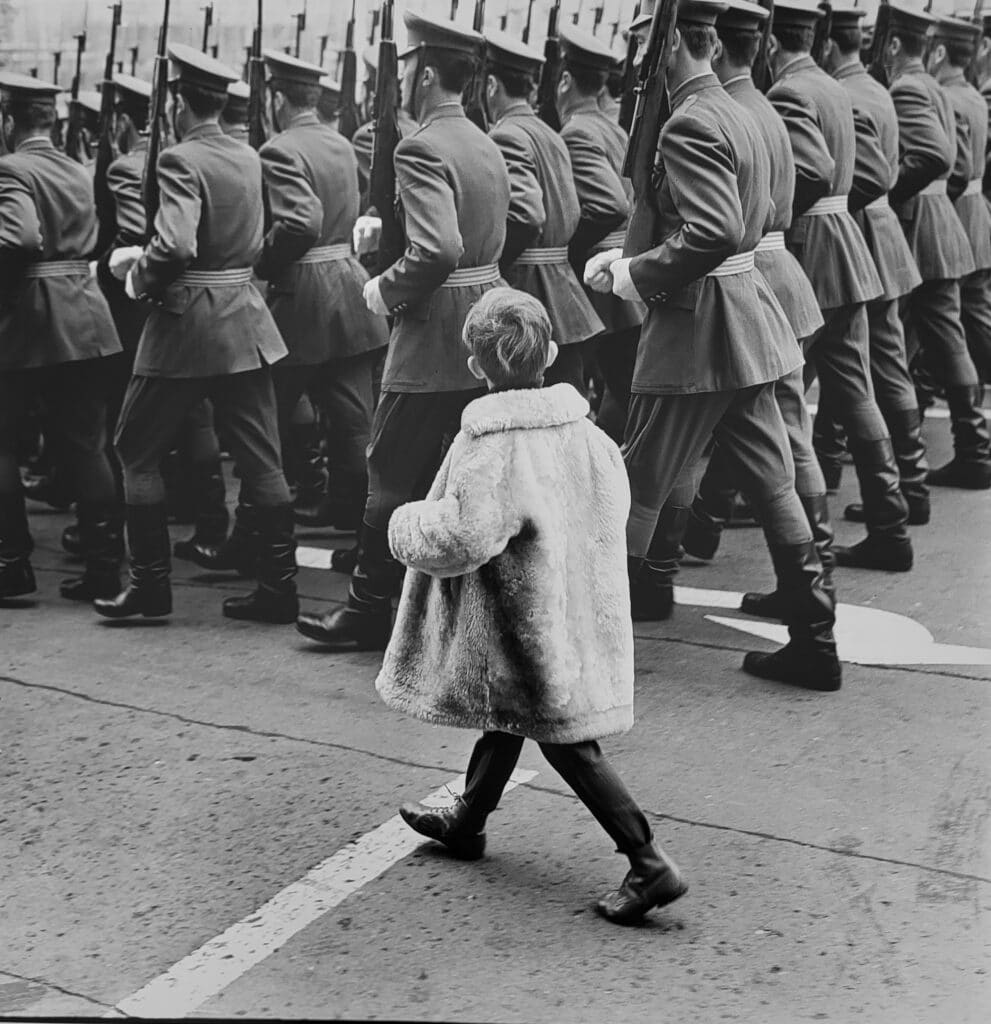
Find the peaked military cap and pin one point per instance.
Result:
(846, 18)
(958, 31)
(422, 31)
(23, 87)
(742, 16)
(238, 98)
(909, 21)
(796, 14)
(89, 100)
(639, 22)
(191, 67)
(132, 89)
(700, 12)
(583, 50)
(330, 87)
(502, 49)
(283, 68)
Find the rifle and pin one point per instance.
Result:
(105, 209)
(382, 175)
(597, 18)
(651, 111)
(474, 105)
(349, 115)
(880, 43)
(256, 81)
(134, 59)
(454, 10)
(628, 98)
(375, 25)
(57, 55)
(529, 21)
(301, 25)
(761, 70)
(971, 70)
(576, 17)
(504, 18)
(207, 22)
(74, 129)
(159, 94)
(546, 103)
(823, 29)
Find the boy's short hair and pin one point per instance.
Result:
(509, 334)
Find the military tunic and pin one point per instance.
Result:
(715, 338)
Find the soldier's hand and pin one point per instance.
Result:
(93, 265)
(373, 298)
(598, 273)
(121, 260)
(366, 234)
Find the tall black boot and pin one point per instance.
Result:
(101, 532)
(275, 598)
(829, 444)
(212, 518)
(342, 507)
(148, 592)
(238, 553)
(910, 454)
(809, 659)
(652, 581)
(774, 605)
(365, 623)
(16, 574)
(711, 510)
(970, 467)
(654, 880)
(306, 461)
(887, 545)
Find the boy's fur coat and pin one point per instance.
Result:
(515, 611)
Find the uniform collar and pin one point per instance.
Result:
(912, 67)
(521, 109)
(705, 80)
(305, 117)
(35, 142)
(203, 131)
(802, 62)
(451, 108)
(739, 80)
(951, 76)
(587, 105)
(850, 70)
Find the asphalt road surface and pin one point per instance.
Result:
(198, 817)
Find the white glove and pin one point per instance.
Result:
(622, 282)
(373, 298)
(129, 286)
(365, 234)
(121, 260)
(597, 274)
(92, 269)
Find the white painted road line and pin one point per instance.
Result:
(220, 962)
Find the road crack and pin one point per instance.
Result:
(45, 983)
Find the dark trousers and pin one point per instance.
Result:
(569, 368)
(410, 434)
(74, 398)
(616, 357)
(344, 391)
(156, 408)
(932, 318)
(666, 436)
(975, 315)
(583, 767)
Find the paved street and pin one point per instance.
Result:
(166, 783)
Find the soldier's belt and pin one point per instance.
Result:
(975, 187)
(57, 268)
(614, 240)
(934, 188)
(215, 278)
(537, 257)
(881, 203)
(828, 204)
(465, 276)
(327, 254)
(741, 263)
(773, 241)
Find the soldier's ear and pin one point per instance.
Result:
(984, 48)
(676, 40)
(717, 51)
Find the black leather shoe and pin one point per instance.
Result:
(264, 605)
(348, 629)
(919, 512)
(645, 887)
(765, 606)
(807, 666)
(344, 560)
(71, 542)
(16, 577)
(90, 586)
(876, 552)
(971, 476)
(445, 825)
(150, 600)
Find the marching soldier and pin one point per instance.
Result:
(209, 335)
(597, 146)
(454, 192)
(328, 105)
(714, 342)
(56, 333)
(954, 44)
(315, 284)
(234, 117)
(543, 207)
(740, 33)
(927, 148)
(819, 117)
(875, 172)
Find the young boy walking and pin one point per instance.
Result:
(515, 616)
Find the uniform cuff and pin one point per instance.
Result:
(622, 282)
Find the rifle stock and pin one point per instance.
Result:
(105, 147)
(349, 116)
(651, 111)
(382, 176)
(879, 43)
(761, 69)
(547, 90)
(159, 94)
(256, 82)
(74, 128)
(823, 29)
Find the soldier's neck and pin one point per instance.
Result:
(434, 101)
